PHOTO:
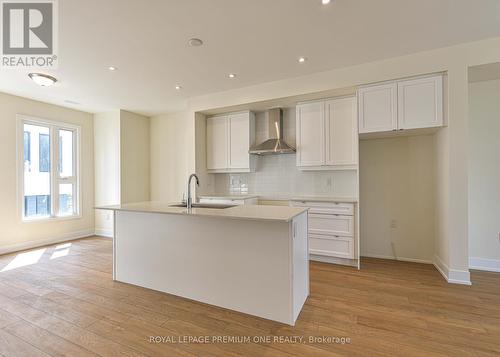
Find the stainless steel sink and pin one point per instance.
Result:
(203, 205)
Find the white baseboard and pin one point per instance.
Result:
(403, 259)
(11, 248)
(452, 276)
(484, 264)
(108, 233)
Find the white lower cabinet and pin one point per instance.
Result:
(331, 224)
(331, 228)
(331, 246)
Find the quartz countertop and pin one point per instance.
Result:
(251, 212)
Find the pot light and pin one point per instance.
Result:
(195, 42)
(178, 87)
(231, 75)
(302, 59)
(43, 80)
(112, 68)
(325, 2)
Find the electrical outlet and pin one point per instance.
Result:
(394, 223)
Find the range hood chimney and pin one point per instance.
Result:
(274, 144)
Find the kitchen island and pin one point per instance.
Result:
(252, 259)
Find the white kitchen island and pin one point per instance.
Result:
(252, 259)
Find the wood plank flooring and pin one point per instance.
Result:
(61, 301)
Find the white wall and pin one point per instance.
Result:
(397, 198)
(484, 174)
(107, 168)
(172, 155)
(14, 233)
(135, 157)
(122, 163)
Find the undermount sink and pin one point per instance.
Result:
(203, 205)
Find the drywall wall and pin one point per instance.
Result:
(122, 163)
(397, 201)
(135, 157)
(14, 233)
(107, 168)
(484, 175)
(172, 155)
(207, 181)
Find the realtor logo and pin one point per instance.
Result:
(29, 33)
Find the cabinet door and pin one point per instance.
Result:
(341, 132)
(310, 134)
(378, 108)
(420, 103)
(239, 141)
(217, 143)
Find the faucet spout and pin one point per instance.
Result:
(189, 198)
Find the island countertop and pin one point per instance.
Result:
(251, 212)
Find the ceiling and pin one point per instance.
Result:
(259, 40)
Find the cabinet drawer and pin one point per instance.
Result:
(326, 207)
(331, 224)
(332, 246)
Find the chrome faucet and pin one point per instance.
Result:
(189, 198)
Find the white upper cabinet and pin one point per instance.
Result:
(404, 104)
(378, 108)
(420, 103)
(239, 141)
(327, 135)
(341, 132)
(229, 138)
(217, 142)
(310, 134)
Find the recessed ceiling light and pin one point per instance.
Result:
(195, 42)
(69, 101)
(178, 87)
(302, 59)
(43, 80)
(325, 2)
(112, 68)
(231, 75)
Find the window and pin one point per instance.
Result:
(48, 191)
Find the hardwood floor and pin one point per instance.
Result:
(64, 303)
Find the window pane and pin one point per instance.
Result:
(44, 149)
(66, 207)
(37, 195)
(66, 153)
(27, 147)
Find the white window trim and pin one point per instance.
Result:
(55, 180)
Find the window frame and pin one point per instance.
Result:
(54, 170)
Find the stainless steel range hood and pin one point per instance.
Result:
(274, 144)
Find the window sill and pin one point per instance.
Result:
(51, 219)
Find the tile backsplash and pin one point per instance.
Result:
(277, 176)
